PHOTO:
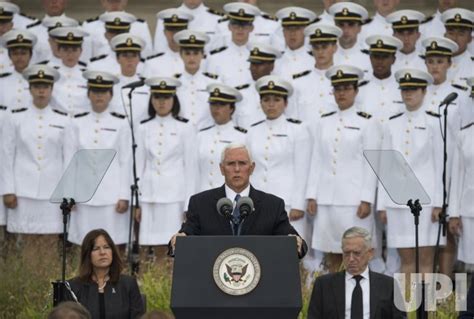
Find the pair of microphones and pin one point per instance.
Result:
(225, 208)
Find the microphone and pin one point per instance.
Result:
(245, 205)
(134, 84)
(225, 207)
(449, 99)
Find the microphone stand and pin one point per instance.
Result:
(134, 227)
(443, 215)
(415, 208)
(60, 287)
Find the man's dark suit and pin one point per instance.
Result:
(268, 218)
(328, 297)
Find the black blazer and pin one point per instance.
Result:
(269, 217)
(328, 299)
(122, 299)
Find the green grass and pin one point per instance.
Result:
(26, 291)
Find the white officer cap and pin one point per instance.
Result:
(223, 93)
(241, 12)
(439, 46)
(41, 73)
(344, 74)
(117, 21)
(7, 11)
(405, 19)
(52, 23)
(17, 38)
(383, 44)
(295, 16)
(127, 42)
(470, 83)
(174, 18)
(68, 35)
(348, 11)
(163, 85)
(413, 78)
(322, 33)
(458, 17)
(262, 53)
(99, 79)
(191, 39)
(272, 84)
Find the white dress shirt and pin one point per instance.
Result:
(70, 91)
(350, 284)
(353, 56)
(168, 63)
(249, 110)
(15, 91)
(230, 193)
(293, 62)
(410, 60)
(461, 68)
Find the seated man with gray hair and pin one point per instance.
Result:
(355, 292)
(268, 217)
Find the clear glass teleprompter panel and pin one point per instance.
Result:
(396, 176)
(83, 175)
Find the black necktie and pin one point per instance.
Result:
(356, 303)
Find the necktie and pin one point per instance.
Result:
(236, 212)
(356, 302)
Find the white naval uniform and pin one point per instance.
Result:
(281, 150)
(417, 137)
(34, 159)
(6, 64)
(70, 91)
(462, 190)
(109, 63)
(21, 21)
(96, 30)
(326, 18)
(433, 28)
(353, 56)
(166, 169)
(340, 177)
(210, 143)
(461, 68)
(203, 21)
(42, 49)
(378, 26)
(411, 61)
(140, 99)
(293, 62)
(15, 91)
(380, 98)
(193, 98)
(3, 209)
(103, 131)
(231, 65)
(313, 96)
(167, 63)
(249, 110)
(263, 29)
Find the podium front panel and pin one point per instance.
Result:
(195, 293)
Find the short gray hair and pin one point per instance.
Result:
(358, 232)
(232, 146)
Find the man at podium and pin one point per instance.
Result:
(267, 215)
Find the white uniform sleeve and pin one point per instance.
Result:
(125, 159)
(371, 142)
(301, 158)
(190, 163)
(315, 166)
(8, 150)
(457, 181)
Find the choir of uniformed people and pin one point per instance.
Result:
(306, 93)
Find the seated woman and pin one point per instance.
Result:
(100, 286)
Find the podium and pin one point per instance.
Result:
(266, 268)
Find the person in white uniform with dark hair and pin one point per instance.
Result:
(102, 128)
(213, 139)
(34, 157)
(165, 165)
(341, 186)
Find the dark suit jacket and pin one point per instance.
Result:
(269, 217)
(469, 313)
(328, 299)
(122, 299)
